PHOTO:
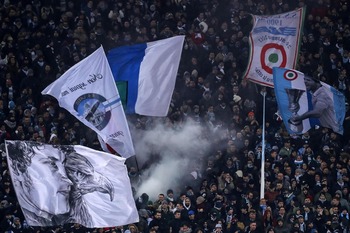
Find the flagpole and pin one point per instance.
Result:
(262, 175)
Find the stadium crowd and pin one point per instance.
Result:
(307, 176)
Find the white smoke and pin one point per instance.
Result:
(175, 153)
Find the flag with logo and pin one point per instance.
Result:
(88, 91)
(274, 42)
(60, 184)
(148, 72)
(305, 102)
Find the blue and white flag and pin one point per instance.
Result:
(305, 102)
(274, 42)
(150, 71)
(61, 184)
(88, 91)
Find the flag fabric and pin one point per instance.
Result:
(274, 42)
(59, 184)
(305, 102)
(150, 71)
(88, 91)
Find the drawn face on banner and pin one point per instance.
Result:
(39, 174)
(49, 179)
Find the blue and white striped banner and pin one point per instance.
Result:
(295, 101)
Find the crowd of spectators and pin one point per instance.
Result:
(307, 176)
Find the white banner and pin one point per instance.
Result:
(88, 91)
(70, 184)
(274, 42)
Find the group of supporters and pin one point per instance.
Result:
(306, 176)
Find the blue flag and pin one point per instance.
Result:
(149, 71)
(305, 102)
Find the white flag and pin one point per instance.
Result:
(150, 70)
(70, 184)
(274, 42)
(88, 91)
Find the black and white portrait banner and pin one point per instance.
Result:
(58, 184)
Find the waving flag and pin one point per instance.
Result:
(305, 102)
(56, 185)
(150, 71)
(88, 91)
(274, 42)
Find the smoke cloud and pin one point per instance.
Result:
(167, 156)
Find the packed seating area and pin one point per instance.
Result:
(307, 176)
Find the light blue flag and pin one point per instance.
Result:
(150, 71)
(305, 102)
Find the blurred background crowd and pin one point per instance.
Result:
(307, 176)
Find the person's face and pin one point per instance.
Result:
(161, 197)
(49, 177)
(309, 83)
(177, 215)
(158, 215)
(253, 226)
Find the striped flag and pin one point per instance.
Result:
(149, 73)
(305, 102)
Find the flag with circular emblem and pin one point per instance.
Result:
(274, 42)
(321, 105)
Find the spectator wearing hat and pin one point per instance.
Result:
(230, 216)
(218, 228)
(170, 195)
(17, 225)
(286, 150)
(214, 218)
(305, 194)
(202, 208)
(167, 214)
(192, 219)
(144, 220)
(301, 222)
(252, 121)
(308, 176)
(281, 226)
(343, 202)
